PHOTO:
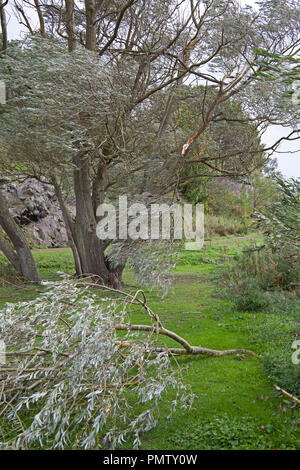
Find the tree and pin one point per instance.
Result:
(231, 130)
(120, 136)
(264, 190)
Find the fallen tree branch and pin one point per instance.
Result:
(188, 349)
(160, 330)
(287, 394)
(157, 328)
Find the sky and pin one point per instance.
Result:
(288, 163)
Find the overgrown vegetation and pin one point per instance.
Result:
(257, 272)
(266, 279)
(221, 226)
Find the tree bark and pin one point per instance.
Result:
(19, 242)
(69, 224)
(3, 24)
(115, 275)
(90, 34)
(10, 254)
(41, 18)
(89, 246)
(70, 25)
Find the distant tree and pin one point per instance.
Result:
(264, 190)
(231, 130)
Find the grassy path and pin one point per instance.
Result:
(227, 388)
(232, 392)
(222, 240)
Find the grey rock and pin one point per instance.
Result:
(35, 208)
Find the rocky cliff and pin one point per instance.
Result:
(35, 208)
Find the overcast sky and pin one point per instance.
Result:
(288, 164)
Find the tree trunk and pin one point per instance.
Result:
(69, 224)
(19, 242)
(115, 275)
(3, 24)
(89, 246)
(70, 25)
(90, 34)
(10, 254)
(41, 18)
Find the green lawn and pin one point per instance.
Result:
(236, 405)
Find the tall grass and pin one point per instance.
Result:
(218, 225)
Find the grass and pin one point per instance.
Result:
(232, 392)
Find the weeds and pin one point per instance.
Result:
(238, 433)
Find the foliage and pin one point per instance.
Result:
(67, 383)
(282, 371)
(55, 104)
(222, 226)
(229, 203)
(256, 271)
(246, 295)
(265, 281)
(280, 222)
(274, 335)
(264, 188)
(283, 67)
(226, 136)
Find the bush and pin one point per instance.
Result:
(280, 221)
(274, 269)
(256, 271)
(246, 294)
(281, 371)
(274, 337)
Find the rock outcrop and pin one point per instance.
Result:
(34, 207)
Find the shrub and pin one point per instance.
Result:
(259, 270)
(246, 294)
(282, 371)
(280, 221)
(276, 335)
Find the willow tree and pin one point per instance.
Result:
(94, 100)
